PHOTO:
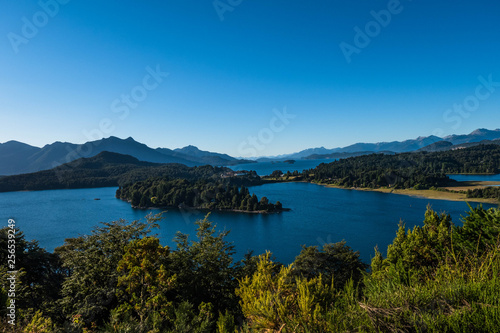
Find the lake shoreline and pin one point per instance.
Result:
(456, 192)
(427, 194)
(186, 208)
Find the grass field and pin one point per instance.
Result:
(453, 193)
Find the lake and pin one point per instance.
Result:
(319, 215)
(484, 178)
(266, 168)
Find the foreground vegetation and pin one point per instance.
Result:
(436, 278)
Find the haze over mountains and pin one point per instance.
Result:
(450, 142)
(18, 158)
(106, 169)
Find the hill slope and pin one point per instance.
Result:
(105, 169)
(19, 158)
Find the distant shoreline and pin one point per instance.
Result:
(276, 211)
(444, 194)
(214, 210)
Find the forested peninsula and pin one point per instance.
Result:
(418, 171)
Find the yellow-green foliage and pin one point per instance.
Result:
(39, 324)
(144, 279)
(460, 296)
(278, 301)
(225, 323)
(432, 281)
(436, 278)
(424, 246)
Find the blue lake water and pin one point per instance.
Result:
(266, 168)
(463, 178)
(319, 215)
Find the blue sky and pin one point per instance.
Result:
(66, 72)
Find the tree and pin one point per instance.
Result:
(480, 230)
(145, 279)
(279, 205)
(263, 203)
(40, 324)
(90, 289)
(40, 273)
(204, 268)
(335, 261)
(422, 248)
(276, 174)
(275, 300)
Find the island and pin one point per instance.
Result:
(203, 194)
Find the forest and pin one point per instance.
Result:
(418, 170)
(203, 193)
(487, 192)
(108, 170)
(438, 277)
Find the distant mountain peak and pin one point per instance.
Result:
(111, 157)
(483, 131)
(14, 142)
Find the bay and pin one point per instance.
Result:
(484, 178)
(318, 215)
(266, 168)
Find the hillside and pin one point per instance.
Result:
(407, 170)
(446, 145)
(19, 158)
(344, 155)
(105, 169)
(194, 154)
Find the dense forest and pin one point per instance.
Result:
(438, 277)
(200, 194)
(105, 170)
(487, 192)
(419, 170)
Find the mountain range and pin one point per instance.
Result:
(103, 170)
(18, 158)
(421, 143)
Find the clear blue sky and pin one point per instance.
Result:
(65, 80)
